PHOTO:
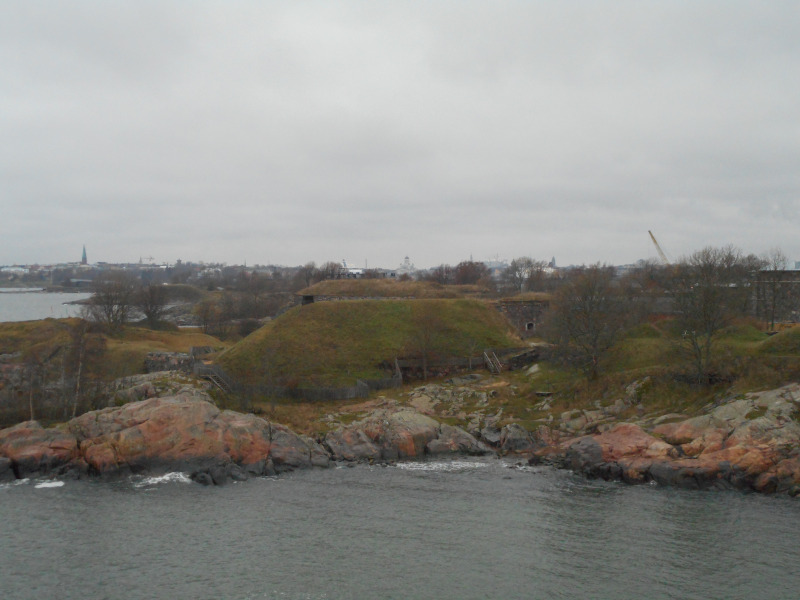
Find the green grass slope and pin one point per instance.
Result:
(334, 343)
(785, 342)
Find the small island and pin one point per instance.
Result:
(601, 375)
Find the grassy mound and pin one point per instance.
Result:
(37, 337)
(388, 288)
(787, 342)
(334, 343)
(114, 356)
(125, 353)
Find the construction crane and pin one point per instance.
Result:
(661, 254)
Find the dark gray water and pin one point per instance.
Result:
(466, 529)
(32, 306)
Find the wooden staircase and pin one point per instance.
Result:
(492, 362)
(215, 375)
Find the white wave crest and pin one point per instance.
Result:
(174, 477)
(49, 484)
(442, 465)
(14, 483)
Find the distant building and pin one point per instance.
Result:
(16, 270)
(351, 272)
(406, 267)
(83, 257)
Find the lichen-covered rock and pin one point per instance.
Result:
(158, 434)
(351, 444)
(750, 442)
(391, 434)
(515, 438)
(685, 432)
(32, 449)
(454, 440)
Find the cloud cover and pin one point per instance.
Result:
(283, 132)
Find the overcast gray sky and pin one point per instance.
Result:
(285, 132)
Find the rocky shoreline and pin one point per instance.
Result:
(748, 443)
(751, 442)
(187, 432)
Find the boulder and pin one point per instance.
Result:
(454, 440)
(684, 432)
(397, 433)
(490, 434)
(161, 434)
(289, 451)
(135, 393)
(515, 438)
(351, 444)
(32, 449)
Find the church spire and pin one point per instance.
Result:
(83, 258)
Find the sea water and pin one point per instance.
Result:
(25, 305)
(466, 528)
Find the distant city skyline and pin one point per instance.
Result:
(285, 132)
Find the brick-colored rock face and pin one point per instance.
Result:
(751, 442)
(170, 432)
(33, 449)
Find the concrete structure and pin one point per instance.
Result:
(525, 315)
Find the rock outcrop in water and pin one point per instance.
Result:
(186, 432)
(745, 443)
(30, 449)
(750, 442)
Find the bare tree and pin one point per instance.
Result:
(255, 287)
(84, 349)
(208, 313)
(78, 333)
(524, 274)
(588, 313)
(644, 287)
(113, 297)
(331, 270)
(470, 272)
(515, 275)
(307, 274)
(708, 289)
(151, 299)
(216, 315)
(745, 275)
(773, 292)
(443, 274)
(34, 372)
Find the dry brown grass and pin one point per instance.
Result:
(165, 341)
(125, 353)
(34, 336)
(305, 418)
